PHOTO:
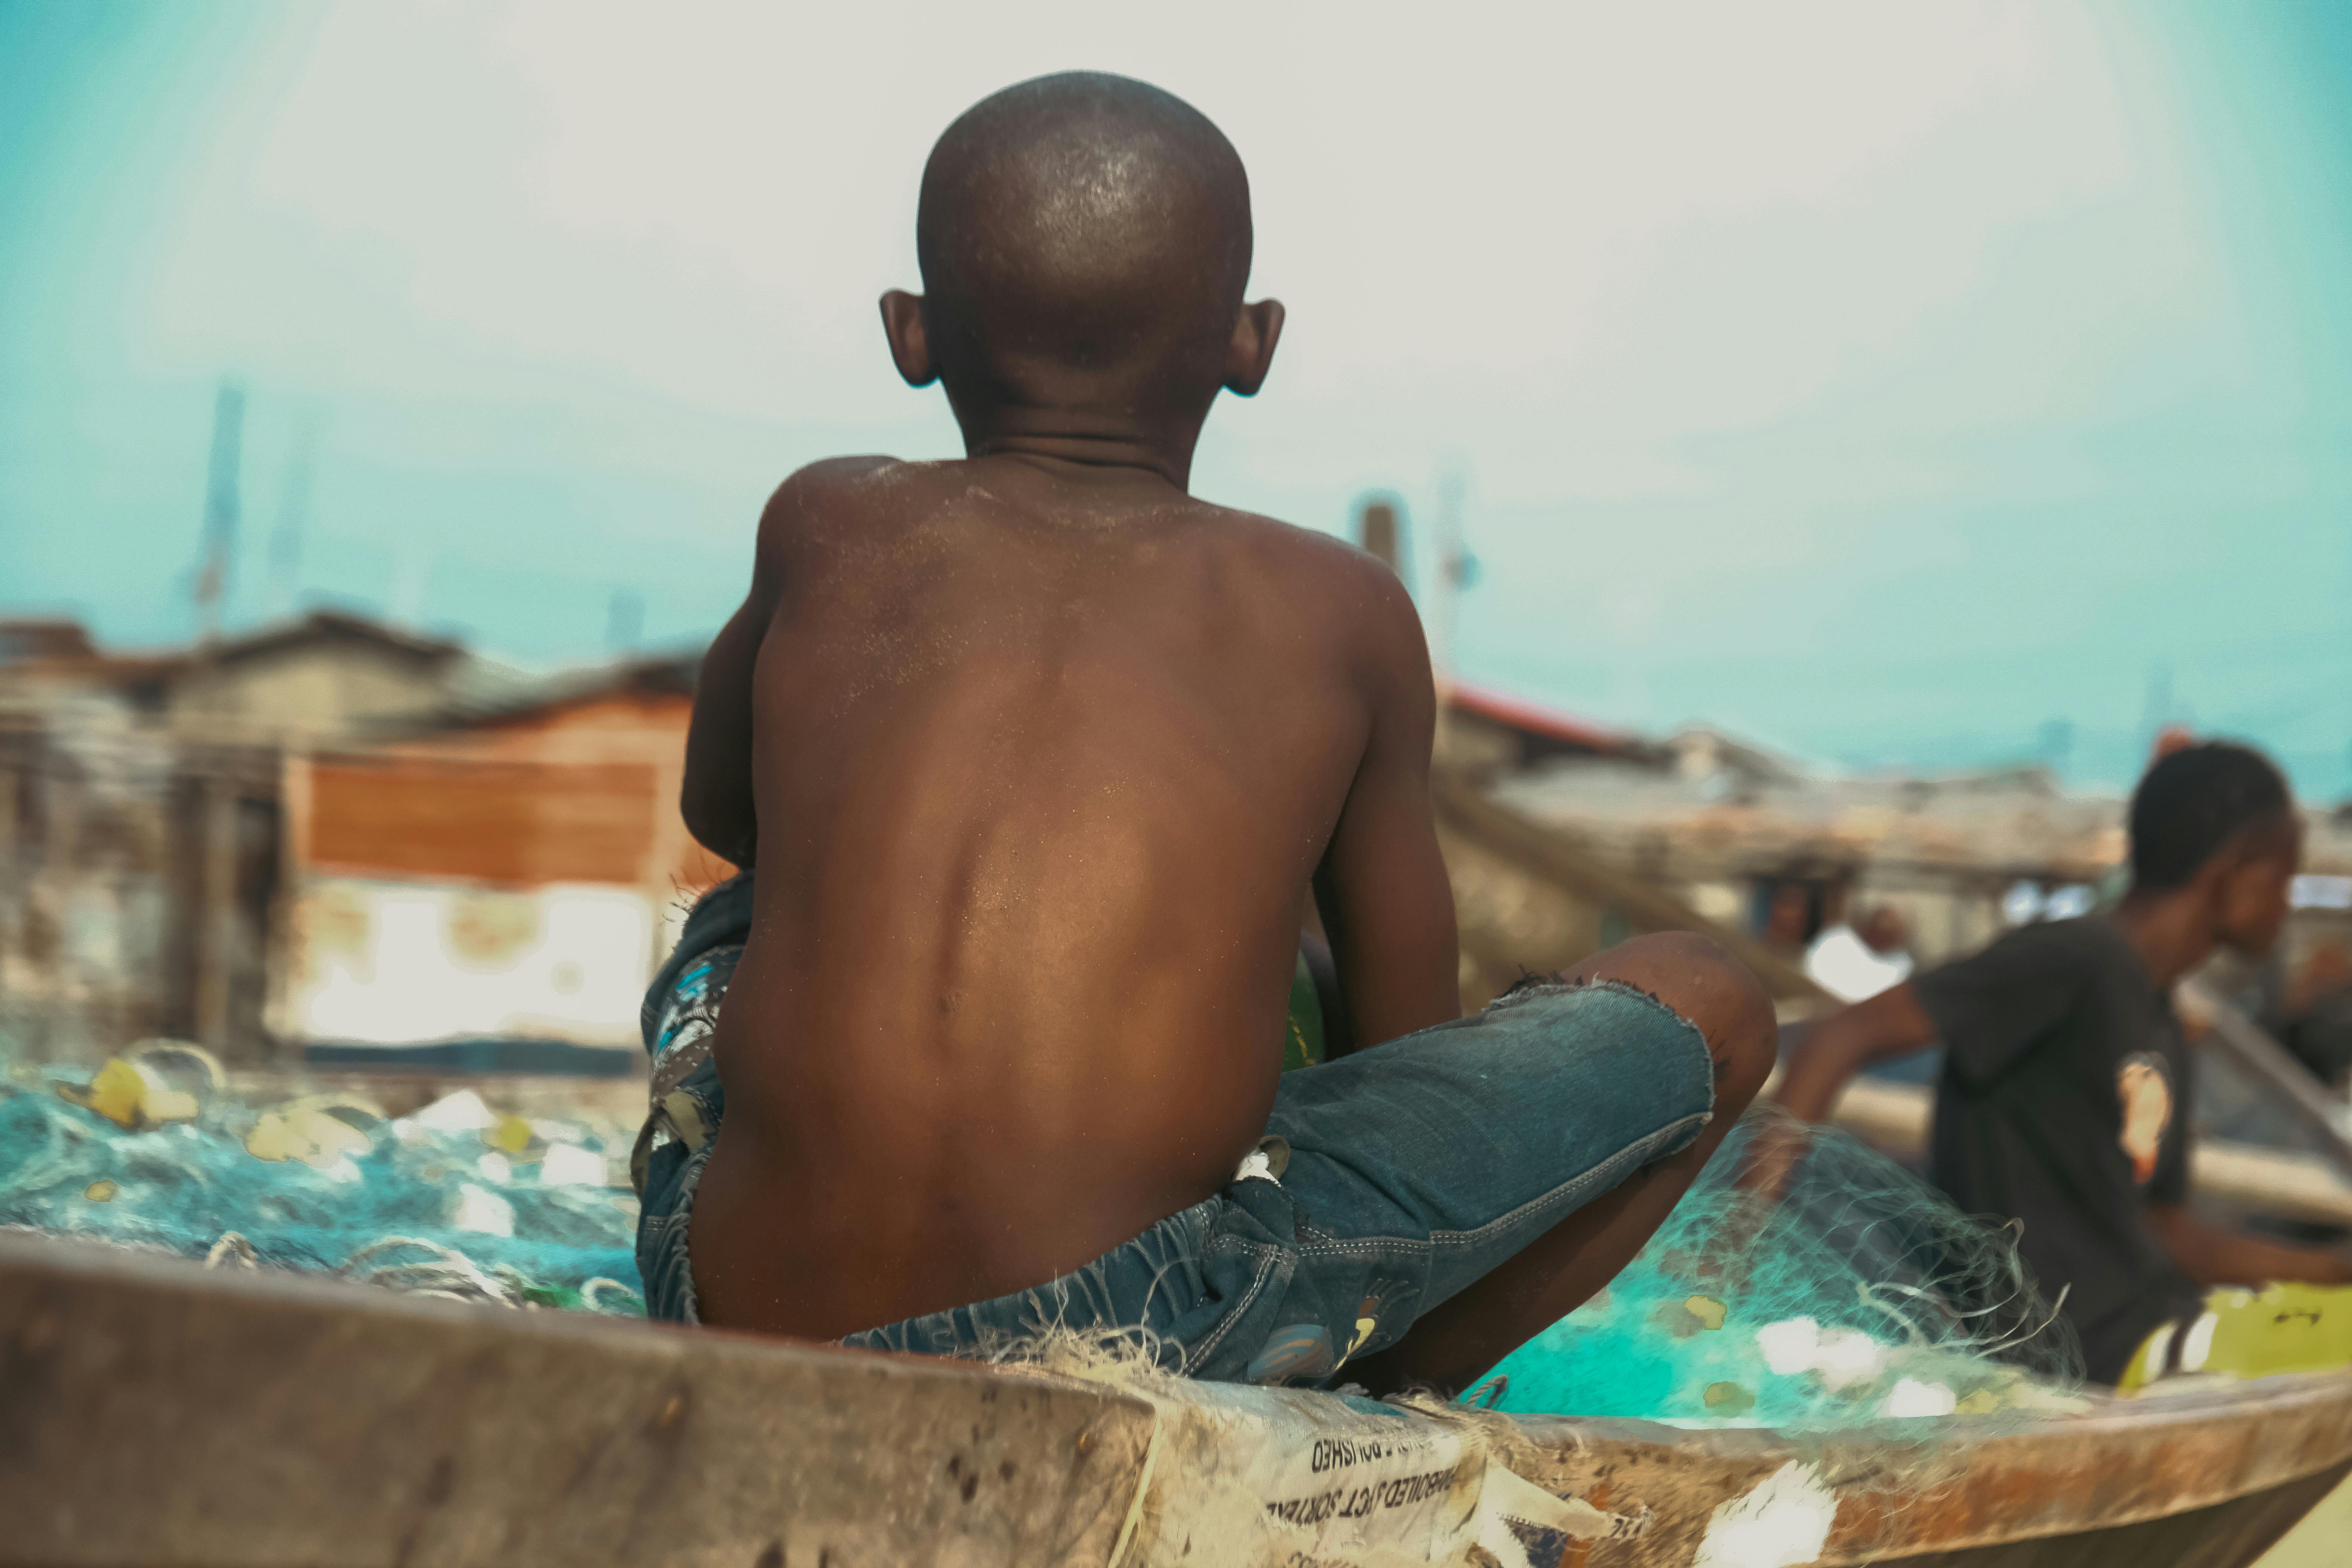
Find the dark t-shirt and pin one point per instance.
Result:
(2063, 1103)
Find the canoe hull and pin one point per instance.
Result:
(154, 1414)
(2226, 1535)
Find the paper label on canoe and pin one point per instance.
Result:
(1390, 1488)
(1393, 1486)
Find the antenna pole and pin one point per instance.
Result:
(293, 512)
(220, 508)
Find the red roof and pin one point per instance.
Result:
(1535, 719)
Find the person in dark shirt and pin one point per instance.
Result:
(2064, 1095)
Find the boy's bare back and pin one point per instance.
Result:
(1036, 756)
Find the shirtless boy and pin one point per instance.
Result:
(1036, 759)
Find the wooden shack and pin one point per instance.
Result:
(512, 869)
(329, 829)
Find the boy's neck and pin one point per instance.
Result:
(1082, 443)
(2171, 930)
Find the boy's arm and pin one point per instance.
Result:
(717, 800)
(1830, 1053)
(2211, 1256)
(1989, 1008)
(1381, 888)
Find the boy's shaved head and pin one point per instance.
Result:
(1083, 223)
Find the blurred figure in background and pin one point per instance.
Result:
(2312, 1017)
(2066, 1080)
(2307, 1007)
(1789, 920)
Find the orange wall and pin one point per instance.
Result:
(586, 792)
(478, 820)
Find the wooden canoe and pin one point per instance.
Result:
(153, 1412)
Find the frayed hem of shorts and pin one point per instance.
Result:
(1530, 987)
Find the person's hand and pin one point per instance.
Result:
(2196, 1020)
(1769, 1162)
(2328, 968)
(1768, 1166)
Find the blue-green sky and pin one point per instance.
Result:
(1925, 386)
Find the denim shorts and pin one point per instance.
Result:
(1388, 1180)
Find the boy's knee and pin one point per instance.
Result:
(1721, 997)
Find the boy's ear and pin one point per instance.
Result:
(910, 342)
(1251, 354)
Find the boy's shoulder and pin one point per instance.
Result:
(816, 492)
(839, 508)
(1310, 570)
(1321, 581)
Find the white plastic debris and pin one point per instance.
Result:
(1848, 1356)
(483, 1211)
(569, 1165)
(1840, 1357)
(496, 1167)
(1785, 1521)
(1789, 1346)
(1912, 1398)
(2197, 1345)
(460, 1112)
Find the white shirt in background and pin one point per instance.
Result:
(1849, 969)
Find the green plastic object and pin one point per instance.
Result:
(2280, 1328)
(1302, 1032)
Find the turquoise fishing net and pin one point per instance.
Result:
(455, 1200)
(1860, 1294)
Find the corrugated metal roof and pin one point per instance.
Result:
(1536, 719)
